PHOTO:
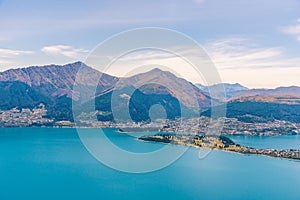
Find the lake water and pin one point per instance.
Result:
(49, 163)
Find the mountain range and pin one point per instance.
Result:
(53, 85)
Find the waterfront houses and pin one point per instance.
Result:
(25, 117)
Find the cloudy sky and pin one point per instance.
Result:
(252, 42)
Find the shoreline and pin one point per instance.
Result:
(120, 130)
(221, 143)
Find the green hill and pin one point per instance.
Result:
(250, 111)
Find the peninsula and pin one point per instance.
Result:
(219, 143)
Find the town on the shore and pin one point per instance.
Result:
(199, 125)
(189, 132)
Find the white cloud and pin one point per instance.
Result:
(9, 53)
(143, 60)
(237, 60)
(240, 60)
(234, 53)
(8, 56)
(64, 50)
(293, 30)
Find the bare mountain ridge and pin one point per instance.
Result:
(57, 80)
(284, 95)
(291, 90)
(237, 92)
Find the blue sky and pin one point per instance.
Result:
(253, 42)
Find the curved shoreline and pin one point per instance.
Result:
(222, 143)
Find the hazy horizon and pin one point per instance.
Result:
(149, 69)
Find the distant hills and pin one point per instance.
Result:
(224, 90)
(285, 95)
(253, 111)
(53, 86)
(261, 105)
(280, 91)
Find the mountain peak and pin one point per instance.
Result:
(180, 88)
(157, 70)
(77, 63)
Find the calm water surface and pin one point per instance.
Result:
(48, 163)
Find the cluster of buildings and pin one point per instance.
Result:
(24, 117)
(206, 125)
(219, 143)
(288, 153)
(121, 125)
(231, 126)
(276, 127)
(200, 125)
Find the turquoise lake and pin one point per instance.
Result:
(50, 163)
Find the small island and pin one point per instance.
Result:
(219, 143)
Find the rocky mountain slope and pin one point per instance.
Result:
(56, 80)
(53, 86)
(159, 81)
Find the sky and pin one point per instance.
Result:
(252, 42)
